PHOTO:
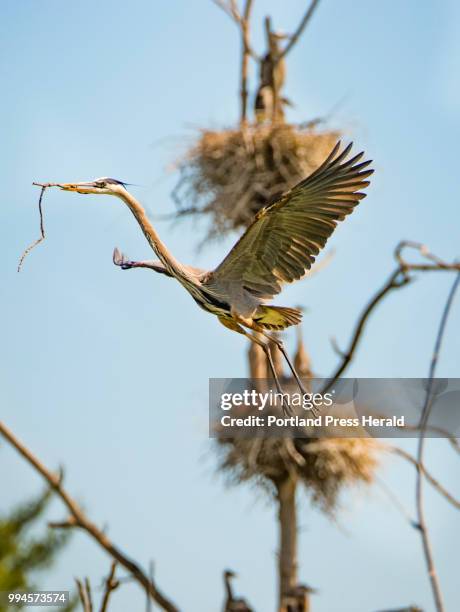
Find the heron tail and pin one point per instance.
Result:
(277, 317)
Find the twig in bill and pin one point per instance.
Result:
(42, 228)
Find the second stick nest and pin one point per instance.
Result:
(323, 466)
(231, 174)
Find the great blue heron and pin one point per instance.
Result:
(232, 603)
(272, 75)
(278, 247)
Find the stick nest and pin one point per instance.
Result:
(324, 466)
(231, 174)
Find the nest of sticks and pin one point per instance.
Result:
(324, 466)
(231, 174)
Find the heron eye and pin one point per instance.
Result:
(100, 184)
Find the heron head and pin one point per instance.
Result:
(229, 574)
(101, 186)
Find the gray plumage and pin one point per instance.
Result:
(279, 247)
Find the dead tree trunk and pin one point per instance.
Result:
(287, 516)
(245, 52)
(244, 73)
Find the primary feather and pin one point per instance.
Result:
(286, 236)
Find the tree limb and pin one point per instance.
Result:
(84, 595)
(89, 593)
(230, 8)
(295, 37)
(395, 281)
(84, 523)
(419, 501)
(430, 478)
(226, 8)
(110, 585)
(399, 278)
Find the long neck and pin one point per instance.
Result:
(228, 588)
(174, 267)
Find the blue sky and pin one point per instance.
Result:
(120, 89)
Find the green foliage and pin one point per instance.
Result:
(23, 554)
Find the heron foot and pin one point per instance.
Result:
(120, 260)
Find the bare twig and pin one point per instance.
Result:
(422, 525)
(440, 431)
(225, 7)
(295, 37)
(230, 8)
(421, 248)
(84, 523)
(42, 228)
(395, 281)
(88, 591)
(336, 348)
(398, 278)
(430, 478)
(67, 524)
(320, 265)
(44, 187)
(81, 594)
(149, 607)
(394, 499)
(84, 595)
(110, 585)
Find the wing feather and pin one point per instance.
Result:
(285, 237)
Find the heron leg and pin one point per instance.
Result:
(234, 326)
(286, 408)
(280, 344)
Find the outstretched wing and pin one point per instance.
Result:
(285, 237)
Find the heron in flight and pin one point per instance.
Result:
(278, 247)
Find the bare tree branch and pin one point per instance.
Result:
(110, 585)
(395, 281)
(430, 478)
(242, 20)
(84, 523)
(399, 278)
(67, 524)
(419, 500)
(230, 8)
(88, 591)
(295, 37)
(234, 10)
(149, 606)
(443, 433)
(84, 595)
(225, 7)
(421, 248)
(394, 499)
